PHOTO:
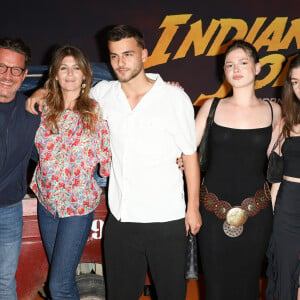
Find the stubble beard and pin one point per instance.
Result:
(135, 72)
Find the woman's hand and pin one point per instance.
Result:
(179, 162)
(175, 83)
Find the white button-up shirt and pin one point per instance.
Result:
(145, 183)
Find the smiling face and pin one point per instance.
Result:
(240, 69)
(295, 80)
(9, 84)
(69, 75)
(127, 58)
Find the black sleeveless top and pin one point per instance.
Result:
(237, 161)
(236, 170)
(291, 156)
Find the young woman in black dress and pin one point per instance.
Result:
(235, 200)
(284, 249)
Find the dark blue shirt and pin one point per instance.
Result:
(17, 131)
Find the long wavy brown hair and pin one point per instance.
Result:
(84, 105)
(290, 102)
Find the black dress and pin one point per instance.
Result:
(232, 266)
(284, 249)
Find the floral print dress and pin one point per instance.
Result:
(63, 180)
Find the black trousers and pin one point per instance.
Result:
(130, 248)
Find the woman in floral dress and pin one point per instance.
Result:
(71, 140)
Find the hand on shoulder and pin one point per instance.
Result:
(36, 98)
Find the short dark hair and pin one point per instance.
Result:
(16, 45)
(120, 32)
(247, 47)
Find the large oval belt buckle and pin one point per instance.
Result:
(236, 217)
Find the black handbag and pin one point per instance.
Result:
(191, 264)
(203, 149)
(275, 165)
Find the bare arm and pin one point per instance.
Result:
(201, 120)
(36, 98)
(200, 124)
(277, 125)
(193, 220)
(274, 190)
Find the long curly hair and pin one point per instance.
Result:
(290, 102)
(84, 105)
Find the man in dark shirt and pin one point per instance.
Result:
(17, 131)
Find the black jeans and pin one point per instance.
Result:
(129, 248)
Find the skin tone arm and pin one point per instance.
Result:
(200, 123)
(274, 190)
(201, 120)
(37, 97)
(277, 125)
(193, 220)
(276, 132)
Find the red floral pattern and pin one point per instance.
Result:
(63, 180)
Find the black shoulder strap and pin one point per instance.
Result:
(212, 110)
(271, 109)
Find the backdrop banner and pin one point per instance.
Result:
(186, 40)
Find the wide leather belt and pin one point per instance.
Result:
(235, 217)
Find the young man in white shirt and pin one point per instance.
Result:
(151, 123)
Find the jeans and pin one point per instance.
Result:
(11, 223)
(64, 240)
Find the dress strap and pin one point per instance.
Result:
(271, 109)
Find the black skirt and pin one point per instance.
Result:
(284, 247)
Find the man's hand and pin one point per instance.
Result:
(36, 98)
(193, 221)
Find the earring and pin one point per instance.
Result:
(83, 86)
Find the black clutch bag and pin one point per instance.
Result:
(275, 168)
(203, 147)
(191, 264)
(275, 165)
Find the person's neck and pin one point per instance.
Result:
(136, 88)
(70, 99)
(244, 97)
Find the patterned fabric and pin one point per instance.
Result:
(63, 180)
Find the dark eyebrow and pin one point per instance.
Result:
(125, 52)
